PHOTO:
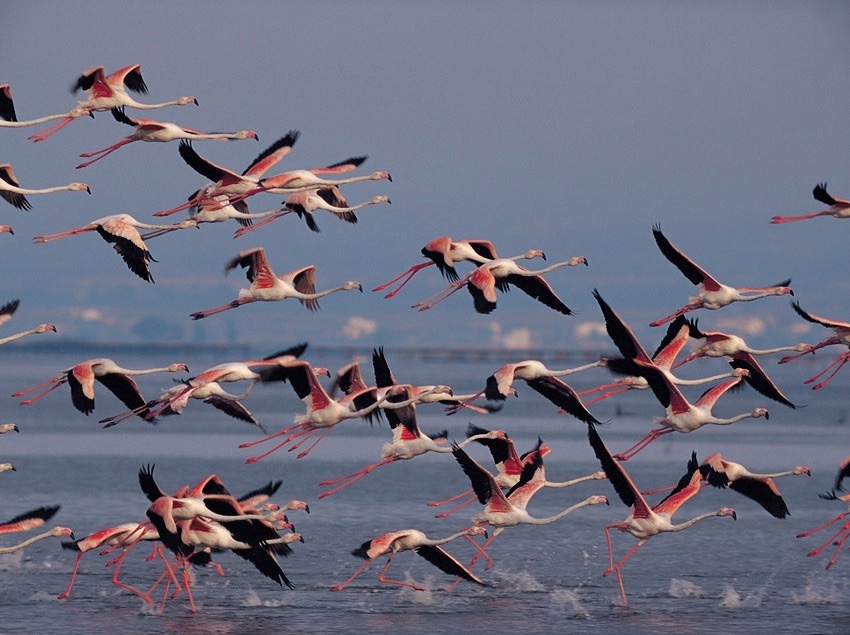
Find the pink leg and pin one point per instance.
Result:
(640, 445)
(409, 273)
(67, 591)
(308, 431)
(472, 499)
(619, 566)
(450, 410)
(381, 577)
(685, 309)
(249, 228)
(301, 455)
(340, 587)
(280, 433)
(450, 500)
(812, 350)
(610, 393)
(118, 564)
(838, 363)
(352, 478)
(199, 315)
(51, 129)
(777, 220)
(805, 534)
(433, 300)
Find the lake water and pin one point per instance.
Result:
(749, 575)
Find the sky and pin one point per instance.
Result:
(571, 127)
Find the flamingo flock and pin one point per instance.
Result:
(194, 523)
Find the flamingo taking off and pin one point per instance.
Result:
(122, 231)
(15, 195)
(644, 522)
(266, 286)
(160, 132)
(840, 335)
(500, 274)
(107, 92)
(680, 414)
(413, 540)
(117, 380)
(712, 294)
(838, 207)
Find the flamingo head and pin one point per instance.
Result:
(79, 186)
(175, 368)
(381, 176)
(804, 348)
(596, 500)
(247, 134)
(802, 469)
(62, 531)
(727, 511)
(8, 427)
(761, 412)
(43, 328)
(187, 100)
(477, 530)
(349, 285)
(296, 504)
(577, 260)
(5, 467)
(377, 200)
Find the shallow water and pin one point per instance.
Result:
(750, 574)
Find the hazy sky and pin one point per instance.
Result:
(569, 127)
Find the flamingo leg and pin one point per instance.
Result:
(605, 395)
(451, 499)
(640, 445)
(470, 500)
(778, 220)
(812, 350)
(340, 587)
(119, 562)
(384, 580)
(280, 433)
(102, 153)
(352, 478)
(432, 301)
(409, 273)
(685, 309)
(67, 591)
(301, 455)
(838, 363)
(249, 228)
(823, 526)
(450, 410)
(58, 381)
(51, 129)
(198, 315)
(308, 431)
(619, 566)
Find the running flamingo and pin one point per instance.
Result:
(841, 335)
(160, 132)
(13, 194)
(499, 274)
(266, 286)
(644, 522)
(117, 380)
(122, 231)
(712, 294)
(110, 91)
(680, 414)
(838, 207)
(413, 540)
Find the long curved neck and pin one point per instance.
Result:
(581, 479)
(47, 190)
(31, 122)
(558, 516)
(142, 371)
(693, 521)
(442, 541)
(134, 104)
(702, 380)
(26, 542)
(17, 336)
(570, 371)
(731, 420)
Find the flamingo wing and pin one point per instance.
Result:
(266, 564)
(447, 563)
(691, 270)
(232, 408)
(563, 396)
(127, 391)
(13, 198)
(7, 105)
(758, 379)
(271, 155)
(28, 520)
(539, 289)
(8, 310)
(624, 338)
(620, 479)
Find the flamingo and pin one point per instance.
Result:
(122, 230)
(110, 91)
(413, 540)
(56, 532)
(840, 335)
(10, 119)
(29, 520)
(483, 282)
(723, 473)
(720, 344)
(13, 194)
(680, 414)
(160, 132)
(117, 380)
(509, 466)
(266, 286)
(644, 522)
(508, 510)
(841, 536)
(838, 207)
(6, 313)
(712, 294)
(306, 202)
(541, 379)
(225, 181)
(408, 442)
(177, 397)
(275, 367)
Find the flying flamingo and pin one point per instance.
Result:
(677, 336)
(160, 132)
(10, 119)
(226, 182)
(117, 380)
(6, 313)
(509, 466)
(723, 473)
(644, 522)
(712, 294)
(841, 536)
(28, 520)
(841, 335)
(122, 231)
(540, 378)
(408, 442)
(13, 194)
(838, 207)
(266, 286)
(509, 510)
(56, 532)
(483, 282)
(110, 91)
(680, 414)
(323, 412)
(177, 398)
(413, 540)
(306, 202)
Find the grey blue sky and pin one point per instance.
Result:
(572, 127)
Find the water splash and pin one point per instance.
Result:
(684, 589)
(254, 599)
(816, 594)
(568, 603)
